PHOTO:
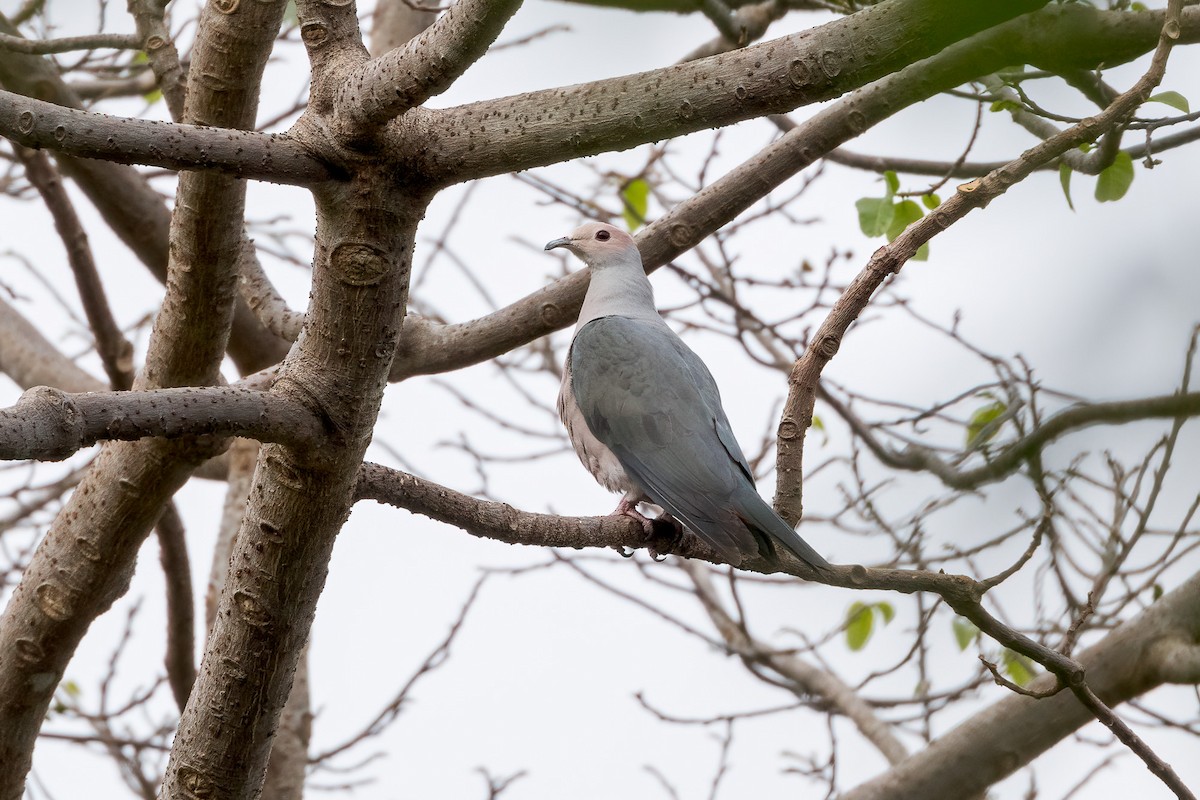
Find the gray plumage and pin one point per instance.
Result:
(645, 417)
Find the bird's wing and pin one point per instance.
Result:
(653, 402)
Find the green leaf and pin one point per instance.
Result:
(965, 632)
(931, 201)
(1064, 177)
(906, 213)
(153, 96)
(635, 196)
(1138, 7)
(978, 431)
(1114, 181)
(1173, 99)
(1018, 667)
(874, 215)
(892, 181)
(1156, 591)
(1006, 105)
(71, 688)
(818, 423)
(860, 619)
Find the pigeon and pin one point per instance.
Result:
(645, 417)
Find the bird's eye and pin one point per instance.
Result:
(603, 235)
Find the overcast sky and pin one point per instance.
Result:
(1100, 300)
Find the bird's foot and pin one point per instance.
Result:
(664, 537)
(661, 535)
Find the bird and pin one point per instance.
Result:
(644, 414)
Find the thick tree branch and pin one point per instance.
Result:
(271, 157)
(428, 347)
(525, 131)
(85, 561)
(387, 86)
(545, 127)
(50, 424)
(301, 497)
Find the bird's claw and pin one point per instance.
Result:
(660, 535)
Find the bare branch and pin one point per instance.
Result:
(520, 132)
(802, 383)
(30, 360)
(51, 424)
(18, 44)
(244, 154)
(821, 684)
(261, 296)
(181, 626)
(387, 86)
(1123, 665)
(428, 347)
(155, 40)
(1003, 461)
(115, 351)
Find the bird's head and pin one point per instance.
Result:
(599, 244)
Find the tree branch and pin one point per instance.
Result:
(545, 127)
(155, 40)
(93, 41)
(127, 202)
(115, 351)
(181, 625)
(271, 157)
(975, 169)
(84, 562)
(802, 383)
(1005, 460)
(1002, 738)
(50, 424)
(807, 678)
(428, 347)
(30, 360)
(387, 86)
(501, 521)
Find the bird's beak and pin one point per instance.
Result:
(563, 242)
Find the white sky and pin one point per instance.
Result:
(543, 675)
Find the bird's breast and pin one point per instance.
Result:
(595, 456)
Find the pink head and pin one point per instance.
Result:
(598, 243)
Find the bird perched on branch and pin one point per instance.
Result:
(645, 417)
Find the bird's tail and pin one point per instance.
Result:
(762, 520)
